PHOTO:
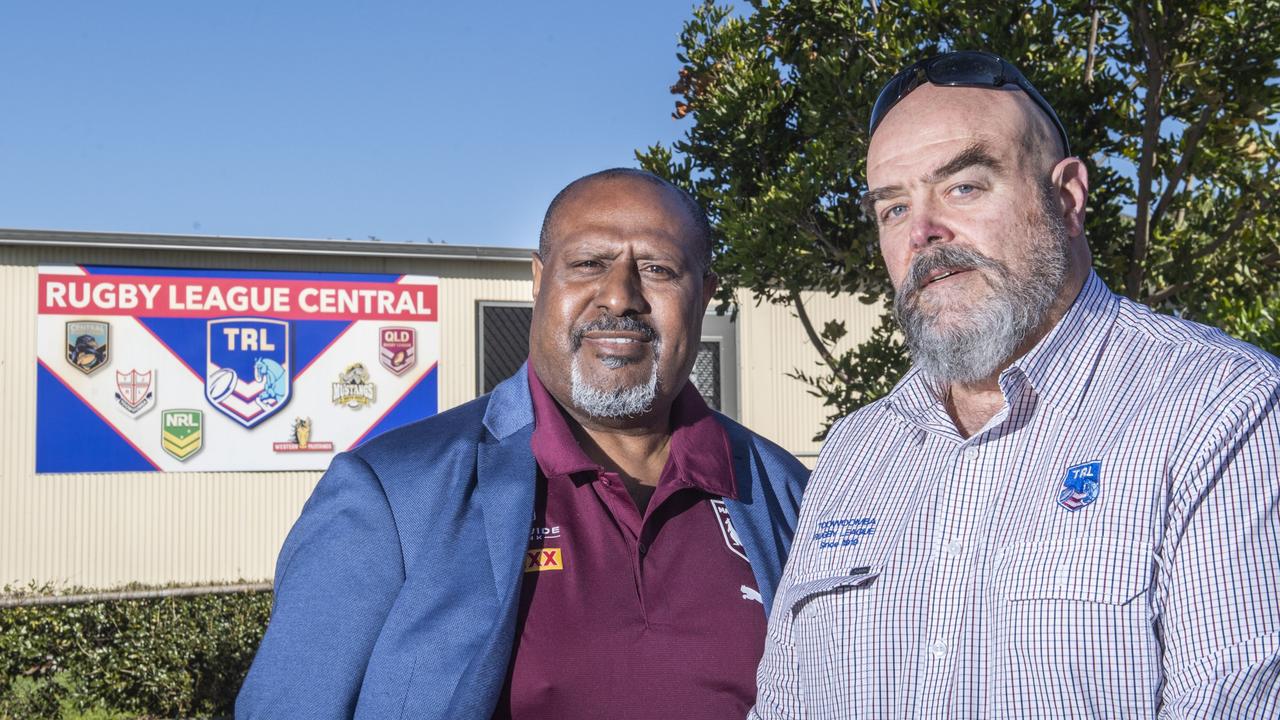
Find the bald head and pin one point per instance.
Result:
(1001, 117)
(699, 227)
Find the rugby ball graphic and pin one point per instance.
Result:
(222, 384)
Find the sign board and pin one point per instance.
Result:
(212, 370)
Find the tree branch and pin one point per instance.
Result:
(1150, 139)
(1243, 216)
(1091, 57)
(1190, 144)
(814, 338)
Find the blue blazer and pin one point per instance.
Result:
(396, 590)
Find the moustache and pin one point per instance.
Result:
(612, 323)
(949, 257)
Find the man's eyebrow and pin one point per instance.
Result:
(976, 155)
(871, 197)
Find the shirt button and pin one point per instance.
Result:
(954, 549)
(605, 482)
(642, 548)
(971, 453)
(938, 649)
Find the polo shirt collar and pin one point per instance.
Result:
(699, 450)
(1058, 368)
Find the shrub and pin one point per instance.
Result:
(165, 657)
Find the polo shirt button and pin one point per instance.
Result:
(938, 649)
(605, 482)
(643, 548)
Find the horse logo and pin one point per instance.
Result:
(244, 348)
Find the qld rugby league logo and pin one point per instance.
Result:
(731, 539)
(396, 349)
(248, 369)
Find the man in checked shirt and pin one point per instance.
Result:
(1070, 505)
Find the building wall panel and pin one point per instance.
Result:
(772, 343)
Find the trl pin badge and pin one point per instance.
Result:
(1080, 485)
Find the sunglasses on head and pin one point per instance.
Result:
(966, 68)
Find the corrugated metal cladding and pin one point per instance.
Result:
(105, 530)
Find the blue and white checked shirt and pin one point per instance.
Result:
(1107, 546)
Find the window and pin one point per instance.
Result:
(503, 337)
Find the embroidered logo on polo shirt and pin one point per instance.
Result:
(1080, 485)
(543, 559)
(726, 529)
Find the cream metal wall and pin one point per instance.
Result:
(771, 344)
(106, 530)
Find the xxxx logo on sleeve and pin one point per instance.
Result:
(540, 559)
(181, 432)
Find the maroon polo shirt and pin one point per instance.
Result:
(629, 616)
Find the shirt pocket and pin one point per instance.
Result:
(830, 627)
(1072, 626)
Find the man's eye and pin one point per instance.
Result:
(894, 211)
(964, 189)
(659, 270)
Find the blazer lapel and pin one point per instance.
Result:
(505, 478)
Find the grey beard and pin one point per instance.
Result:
(976, 346)
(606, 403)
(617, 403)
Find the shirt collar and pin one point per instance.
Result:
(699, 452)
(1058, 368)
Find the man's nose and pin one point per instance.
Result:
(622, 292)
(927, 228)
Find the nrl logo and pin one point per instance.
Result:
(247, 368)
(301, 440)
(396, 348)
(353, 388)
(135, 391)
(181, 432)
(88, 345)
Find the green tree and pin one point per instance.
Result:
(1173, 106)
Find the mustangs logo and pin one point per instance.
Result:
(396, 348)
(247, 372)
(135, 391)
(726, 529)
(88, 345)
(1080, 485)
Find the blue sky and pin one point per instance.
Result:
(407, 121)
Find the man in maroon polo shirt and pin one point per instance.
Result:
(638, 600)
(589, 540)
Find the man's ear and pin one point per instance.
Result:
(537, 274)
(1071, 179)
(710, 282)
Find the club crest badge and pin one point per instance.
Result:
(182, 432)
(1080, 485)
(88, 345)
(247, 371)
(727, 530)
(135, 391)
(397, 348)
(300, 440)
(353, 388)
